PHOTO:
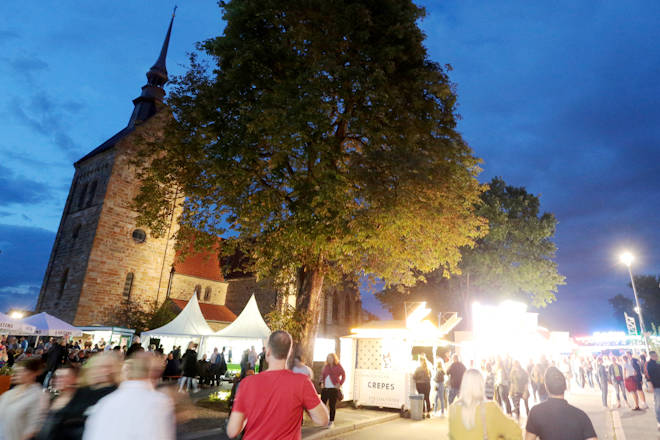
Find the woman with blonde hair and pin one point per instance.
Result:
(332, 378)
(471, 417)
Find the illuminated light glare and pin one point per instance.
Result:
(626, 258)
(637, 310)
(417, 315)
(16, 315)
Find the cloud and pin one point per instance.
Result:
(21, 190)
(23, 260)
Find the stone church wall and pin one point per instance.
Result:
(239, 291)
(183, 287)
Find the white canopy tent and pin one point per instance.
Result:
(48, 325)
(249, 329)
(11, 326)
(189, 325)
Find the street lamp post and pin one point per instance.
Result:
(627, 259)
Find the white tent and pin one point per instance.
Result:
(48, 325)
(189, 325)
(249, 329)
(11, 326)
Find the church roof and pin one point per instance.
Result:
(105, 146)
(201, 264)
(211, 312)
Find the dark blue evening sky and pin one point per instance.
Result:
(560, 97)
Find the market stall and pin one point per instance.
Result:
(115, 336)
(48, 325)
(188, 326)
(248, 330)
(380, 358)
(11, 326)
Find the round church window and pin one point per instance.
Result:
(139, 236)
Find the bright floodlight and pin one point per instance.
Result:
(16, 315)
(626, 258)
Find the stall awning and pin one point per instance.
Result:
(11, 326)
(48, 325)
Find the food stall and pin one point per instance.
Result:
(115, 336)
(380, 358)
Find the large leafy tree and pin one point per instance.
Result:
(515, 260)
(324, 139)
(648, 291)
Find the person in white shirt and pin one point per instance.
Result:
(299, 367)
(145, 412)
(252, 357)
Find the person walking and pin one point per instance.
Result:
(189, 368)
(616, 379)
(252, 358)
(332, 378)
(538, 377)
(555, 419)
(519, 388)
(630, 380)
(455, 373)
(489, 383)
(439, 380)
(639, 389)
(145, 412)
(270, 405)
(602, 376)
(503, 385)
(653, 372)
(22, 408)
(261, 360)
(64, 382)
(55, 357)
(471, 417)
(422, 378)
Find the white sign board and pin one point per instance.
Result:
(382, 388)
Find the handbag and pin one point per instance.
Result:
(340, 395)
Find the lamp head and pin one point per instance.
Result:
(626, 258)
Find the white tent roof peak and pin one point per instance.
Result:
(48, 325)
(189, 321)
(249, 324)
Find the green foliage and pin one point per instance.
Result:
(514, 260)
(292, 320)
(142, 317)
(6, 370)
(648, 291)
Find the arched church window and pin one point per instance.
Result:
(65, 277)
(92, 193)
(128, 286)
(198, 291)
(207, 293)
(81, 197)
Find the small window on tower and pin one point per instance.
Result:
(207, 293)
(65, 278)
(198, 291)
(139, 236)
(128, 286)
(92, 193)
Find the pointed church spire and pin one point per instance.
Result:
(157, 75)
(146, 105)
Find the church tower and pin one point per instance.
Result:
(100, 257)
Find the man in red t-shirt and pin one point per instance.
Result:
(270, 405)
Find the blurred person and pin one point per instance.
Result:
(145, 413)
(332, 378)
(229, 353)
(252, 358)
(630, 381)
(555, 419)
(439, 380)
(245, 361)
(261, 360)
(135, 347)
(603, 378)
(214, 355)
(422, 378)
(271, 405)
(455, 373)
(4, 358)
(25, 355)
(189, 368)
(519, 388)
(538, 377)
(172, 367)
(503, 385)
(22, 408)
(55, 357)
(589, 371)
(204, 370)
(301, 368)
(65, 381)
(653, 372)
(23, 343)
(471, 417)
(639, 389)
(615, 374)
(489, 382)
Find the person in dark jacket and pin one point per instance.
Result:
(189, 368)
(172, 367)
(262, 360)
(422, 378)
(54, 358)
(135, 347)
(653, 373)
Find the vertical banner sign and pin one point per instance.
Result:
(631, 324)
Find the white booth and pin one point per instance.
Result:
(188, 326)
(380, 358)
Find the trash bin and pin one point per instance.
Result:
(416, 406)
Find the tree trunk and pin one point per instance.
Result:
(308, 301)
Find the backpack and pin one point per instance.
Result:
(439, 376)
